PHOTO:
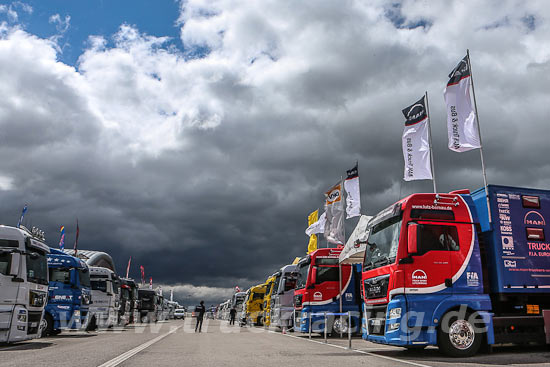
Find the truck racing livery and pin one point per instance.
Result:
(69, 293)
(23, 283)
(438, 272)
(254, 305)
(318, 291)
(270, 285)
(282, 299)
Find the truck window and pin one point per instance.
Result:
(5, 259)
(302, 275)
(290, 283)
(327, 274)
(9, 243)
(437, 238)
(62, 275)
(37, 267)
(258, 296)
(99, 285)
(84, 276)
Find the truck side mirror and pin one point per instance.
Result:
(313, 275)
(412, 233)
(14, 264)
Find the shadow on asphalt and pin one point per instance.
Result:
(25, 346)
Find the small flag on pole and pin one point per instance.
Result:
(25, 208)
(353, 195)
(151, 283)
(461, 117)
(142, 269)
(128, 267)
(62, 239)
(312, 245)
(76, 239)
(416, 145)
(317, 227)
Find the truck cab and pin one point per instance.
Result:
(437, 271)
(320, 289)
(23, 283)
(237, 302)
(270, 285)
(147, 305)
(128, 311)
(254, 305)
(69, 293)
(282, 298)
(105, 296)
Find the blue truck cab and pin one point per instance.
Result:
(69, 293)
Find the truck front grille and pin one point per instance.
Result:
(33, 321)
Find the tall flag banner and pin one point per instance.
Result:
(353, 195)
(416, 144)
(334, 209)
(317, 227)
(171, 295)
(62, 239)
(25, 208)
(151, 283)
(142, 269)
(462, 126)
(128, 267)
(76, 239)
(312, 245)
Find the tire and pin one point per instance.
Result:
(457, 336)
(344, 322)
(47, 325)
(92, 324)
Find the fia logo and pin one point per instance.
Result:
(472, 278)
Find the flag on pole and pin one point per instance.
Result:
(142, 269)
(62, 239)
(334, 209)
(25, 208)
(317, 227)
(76, 240)
(461, 117)
(150, 282)
(128, 267)
(353, 195)
(237, 289)
(171, 295)
(416, 145)
(312, 245)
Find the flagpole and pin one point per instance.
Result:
(479, 134)
(431, 150)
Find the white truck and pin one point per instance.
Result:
(105, 298)
(282, 298)
(23, 283)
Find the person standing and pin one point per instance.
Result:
(232, 314)
(199, 312)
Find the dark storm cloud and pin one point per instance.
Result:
(204, 171)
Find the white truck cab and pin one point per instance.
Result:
(23, 283)
(105, 298)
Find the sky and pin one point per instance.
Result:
(196, 136)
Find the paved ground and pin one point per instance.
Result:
(174, 343)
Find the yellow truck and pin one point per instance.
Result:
(254, 305)
(267, 299)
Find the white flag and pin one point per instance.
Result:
(416, 143)
(353, 195)
(334, 208)
(461, 117)
(317, 227)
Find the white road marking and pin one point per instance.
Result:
(132, 352)
(357, 351)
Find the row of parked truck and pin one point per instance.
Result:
(456, 270)
(44, 290)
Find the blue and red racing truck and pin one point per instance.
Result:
(438, 271)
(319, 289)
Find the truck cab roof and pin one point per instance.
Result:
(59, 259)
(24, 236)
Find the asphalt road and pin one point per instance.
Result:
(174, 343)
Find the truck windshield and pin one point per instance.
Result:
(258, 296)
(302, 275)
(5, 259)
(62, 275)
(37, 267)
(382, 243)
(290, 282)
(99, 285)
(84, 276)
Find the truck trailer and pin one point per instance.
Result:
(23, 283)
(69, 294)
(444, 270)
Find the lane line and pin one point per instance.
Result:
(357, 351)
(132, 352)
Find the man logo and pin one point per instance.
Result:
(317, 296)
(419, 277)
(418, 111)
(534, 218)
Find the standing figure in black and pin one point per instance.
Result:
(199, 313)
(232, 314)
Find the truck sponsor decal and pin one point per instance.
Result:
(419, 277)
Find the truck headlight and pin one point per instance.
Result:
(394, 326)
(22, 317)
(76, 313)
(37, 299)
(395, 313)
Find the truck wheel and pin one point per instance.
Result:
(46, 325)
(458, 336)
(341, 325)
(92, 324)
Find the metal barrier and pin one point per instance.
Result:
(325, 316)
